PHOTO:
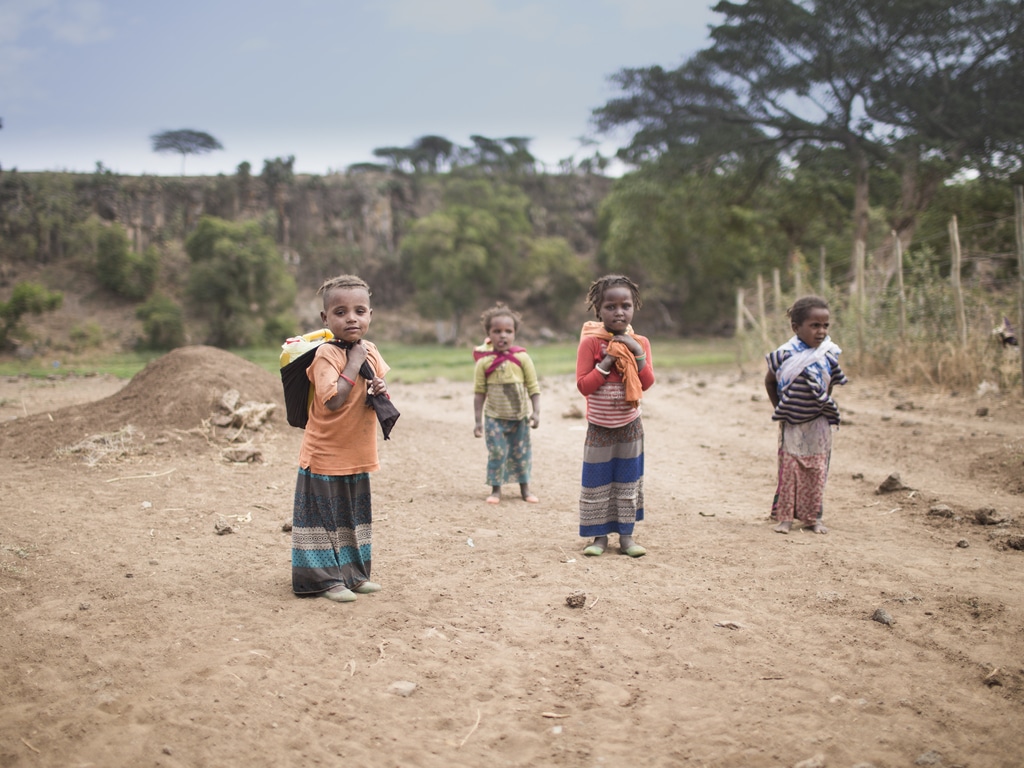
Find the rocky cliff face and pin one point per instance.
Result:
(352, 222)
(323, 224)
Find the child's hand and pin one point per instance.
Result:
(629, 341)
(357, 355)
(478, 431)
(534, 421)
(378, 386)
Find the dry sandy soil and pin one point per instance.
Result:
(135, 631)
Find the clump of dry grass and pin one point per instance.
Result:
(944, 365)
(109, 446)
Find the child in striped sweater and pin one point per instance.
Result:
(801, 375)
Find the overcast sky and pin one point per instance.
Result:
(327, 81)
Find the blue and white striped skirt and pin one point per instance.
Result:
(612, 497)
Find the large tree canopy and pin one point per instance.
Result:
(185, 142)
(926, 87)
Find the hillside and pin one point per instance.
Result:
(322, 225)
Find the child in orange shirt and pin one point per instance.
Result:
(332, 520)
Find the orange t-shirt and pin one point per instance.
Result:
(341, 442)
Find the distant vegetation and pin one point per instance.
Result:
(803, 132)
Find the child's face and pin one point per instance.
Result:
(813, 330)
(616, 309)
(347, 313)
(502, 332)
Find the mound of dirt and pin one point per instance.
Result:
(175, 392)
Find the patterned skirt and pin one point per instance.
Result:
(508, 450)
(612, 497)
(331, 532)
(804, 454)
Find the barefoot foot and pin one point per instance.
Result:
(493, 499)
(819, 527)
(783, 527)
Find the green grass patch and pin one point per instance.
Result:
(409, 363)
(123, 366)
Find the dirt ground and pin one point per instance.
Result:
(147, 619)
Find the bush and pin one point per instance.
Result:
(163, 324)
(122, 271)
(26, 298)
(86, 335)
(238, 282)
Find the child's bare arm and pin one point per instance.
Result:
(478, 413)
(535, 418)
(771, 386)
(349, 376)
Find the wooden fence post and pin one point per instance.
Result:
(899, 283)
(822, 281)
(740, 327)
(762, 318)
(1018, 205)
(776, 291)
(958, 294)
(859, 299)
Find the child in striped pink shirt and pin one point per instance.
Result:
(613, 370)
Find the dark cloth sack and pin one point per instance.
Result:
(298, 392)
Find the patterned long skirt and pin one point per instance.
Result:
(612, 497)
(331, 532)
(804, 454)
(509, 453)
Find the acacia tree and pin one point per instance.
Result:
(185, 142)
(912, 85)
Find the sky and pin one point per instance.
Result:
(326, 81)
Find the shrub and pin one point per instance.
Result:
(26, 298)
(163, 324)
(119, 269)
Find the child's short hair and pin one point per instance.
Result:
(499, 310)
(343, 281)
(802, 308)
(602, 284)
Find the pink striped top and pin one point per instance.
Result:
(606, 396)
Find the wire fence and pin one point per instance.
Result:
(934, 316)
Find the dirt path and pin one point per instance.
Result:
(131, 633)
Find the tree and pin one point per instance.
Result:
(557, 276)
(432, 153)
(477, 242)
(118, 268)
(278, 174)
(185, 142)
(163, 323)
(686, 242)
(237, 282)
(26, 298)
(913, 85)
